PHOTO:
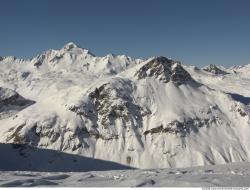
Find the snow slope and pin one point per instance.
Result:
(230, 175)
(150, 113)
(19, 157)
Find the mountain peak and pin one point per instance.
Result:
(70, 46)
(164, 69)
(214, 69)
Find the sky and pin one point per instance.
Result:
(196, 32)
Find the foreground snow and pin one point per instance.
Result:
(236, 174)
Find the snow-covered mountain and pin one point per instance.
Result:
(148, 113)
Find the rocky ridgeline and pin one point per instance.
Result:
(165, 70)
(214, 69)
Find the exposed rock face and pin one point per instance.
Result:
(32, 133)
(183, 129)
(38, 61)
(108, 110)
(165, 70)
(214, 69)
(25, 74)
(11, 98)
(179, 75)
(108, 104)
(7, 95)
(11, 102)
(1, 58)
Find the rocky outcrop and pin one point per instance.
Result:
(108, 104)
(214, 69)
(183, 128)
(111, 103)
(11, 102)
(165, 70)
(9, 97)
(38, 61)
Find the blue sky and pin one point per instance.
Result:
(196, 32)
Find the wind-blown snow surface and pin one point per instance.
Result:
(230, 175)
(154, 113)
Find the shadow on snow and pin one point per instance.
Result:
(16, 157)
